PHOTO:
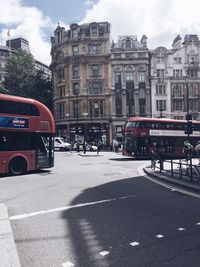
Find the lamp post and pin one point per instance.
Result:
(77, 111)
(188, 115)
(161, 110)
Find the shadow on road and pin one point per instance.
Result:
(128, 214)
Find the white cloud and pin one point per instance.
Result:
(160, 20)
(29, 23)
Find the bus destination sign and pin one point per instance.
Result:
(14, 122)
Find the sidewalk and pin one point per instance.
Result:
(165, 176)
(8, 252)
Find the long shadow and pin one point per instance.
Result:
(107, 219)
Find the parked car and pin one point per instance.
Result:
(60, 144)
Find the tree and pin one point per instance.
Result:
(23, 79)
(20, 73)
(42, 89)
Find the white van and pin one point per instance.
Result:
(60, 144)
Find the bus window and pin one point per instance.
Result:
(131, 124)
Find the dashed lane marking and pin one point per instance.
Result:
(135, 243)
(104, 253)
(159, 236)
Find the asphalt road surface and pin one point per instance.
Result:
(98, 211)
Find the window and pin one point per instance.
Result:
(142, 94)
(94, 31)
(129, 76)
(193, 91)
(160, 105)
(177, 60)
(95, 88)
(75, 50)
(177, 73)
(160, 59)
(13, 141)
(60, 107)
(118, 103)
(128, 44)
(160, 73)
(76, 108)
(74, 33)
(177, 91)
(60, 74)
(95, 70)
(193, 105)
(160, 89)
(192, 73)
(12, 107)
(94, 49)
(61, 90)
(142, 109)
(141, 76)
(96, 108)
(75, 71)
(76, 88)
(177, 105)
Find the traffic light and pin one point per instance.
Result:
(189, 127)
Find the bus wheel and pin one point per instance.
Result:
(17, 166)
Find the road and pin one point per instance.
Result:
(98, 211)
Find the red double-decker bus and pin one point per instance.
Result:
(27, 132)
(144, 136)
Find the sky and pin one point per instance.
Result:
(36, 20)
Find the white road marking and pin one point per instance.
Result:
(68, 264)
(104, 253)
(31, 214)
(134, 244)
(198, 223)
(181, 229)
(159, 236)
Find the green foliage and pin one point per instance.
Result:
(24, 80)
(42, 89)
(20, 72)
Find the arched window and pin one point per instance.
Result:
(128, 43)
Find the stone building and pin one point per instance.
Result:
(81, 81)
(175, 79)
(4, 55)
(130, 80)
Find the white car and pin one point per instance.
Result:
(60, 144)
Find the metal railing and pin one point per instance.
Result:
(178, 169)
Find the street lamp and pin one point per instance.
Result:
(161, 110)
(77, 111)
(188, 115)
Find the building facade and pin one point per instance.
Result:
(130, 85)
(4, 55)
(175, 79)
(81, 80)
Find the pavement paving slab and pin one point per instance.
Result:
(8, 252)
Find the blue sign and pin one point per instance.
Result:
(14, 122)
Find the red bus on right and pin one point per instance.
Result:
(159, 136)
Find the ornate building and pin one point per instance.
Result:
(81, 81)
(175, 79)
(130, 80)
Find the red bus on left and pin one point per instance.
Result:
(27, 131)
